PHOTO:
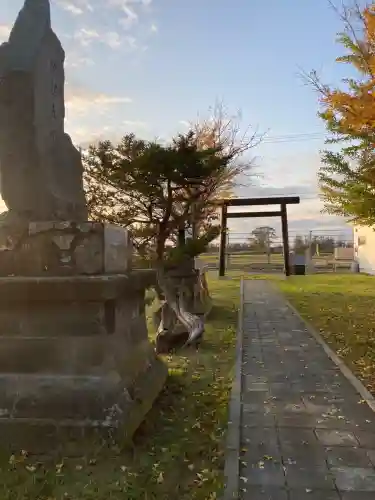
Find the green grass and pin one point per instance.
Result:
(179, 451)
(342, 308)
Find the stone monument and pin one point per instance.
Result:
(41, 170)
(74, 349)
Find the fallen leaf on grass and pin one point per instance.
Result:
(30, 468)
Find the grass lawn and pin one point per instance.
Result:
(342, 308)
(178, 453)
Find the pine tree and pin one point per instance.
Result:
(156, 190)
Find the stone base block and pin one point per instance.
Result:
(63, 249)
(40, 414)
(75, 357)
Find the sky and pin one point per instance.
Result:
(152, 66)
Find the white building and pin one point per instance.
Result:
(364, 248)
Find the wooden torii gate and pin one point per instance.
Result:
(283, 201)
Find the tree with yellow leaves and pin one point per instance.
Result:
(347, 176)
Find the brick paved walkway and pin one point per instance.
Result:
(305, 432)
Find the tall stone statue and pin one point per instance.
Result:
(41, 170)
(75, 357)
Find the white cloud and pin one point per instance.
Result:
(86, 135)
(132, 10)
(131, 42)
(70, 7)
(131, 18)
(74, 60)
(86, 4)
(127, 6)
(86, 36)
(112, 39)
(82, 104)
(81, 101)
(75, 7)
(4, 32)
(154, 28)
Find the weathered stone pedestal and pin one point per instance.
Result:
(74, 349)
(75, 357)
(63, 248)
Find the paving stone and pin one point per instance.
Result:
(249, 379)
(371, 455)
(292, 404)
(318, 409)
(313, 494)
(258, 408)
(294, 436)
(340, 456)
(259, 493)
(336, 437)
(256, 397)
(357, 495)
(305, 386)
(308, 477)
(280, 389)
(322, 398)
(304, 455)
(264, 473)
(354, 479)
(337, 424)
(256, 386)
(255, 436)
(298, 420)
(258, 420)
(366, 439)
(364, 416)
(261, 453)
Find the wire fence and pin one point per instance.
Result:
(329, 251)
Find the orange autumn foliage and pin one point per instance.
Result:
(352, 111)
